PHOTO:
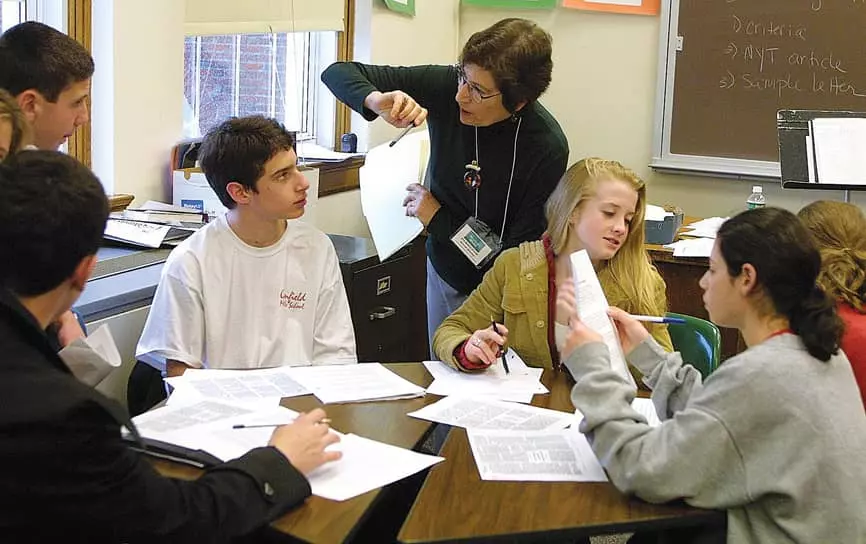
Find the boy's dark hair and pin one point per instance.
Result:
(36, 56)
(52, 215)
(787, 261)
(517, 53)
(237, 150)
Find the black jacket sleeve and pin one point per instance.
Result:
(91, 483)
(431, 86)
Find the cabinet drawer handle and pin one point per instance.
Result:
(382, 312)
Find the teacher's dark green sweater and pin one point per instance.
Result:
(541, 158)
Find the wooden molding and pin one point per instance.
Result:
(79, 25)
(345, 51)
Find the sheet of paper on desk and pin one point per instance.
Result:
(266, 384)
(839, 145)
(482, 413)
(365, 465)
(694, 247)
(137, 233)
(530, 456)
(592, 308)
(642, 406)
(705, 228)
(386, 173)
(354, 383)
(656, 213)
(517, 386)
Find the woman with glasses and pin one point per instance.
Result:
(496, 154)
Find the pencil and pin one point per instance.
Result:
(504, 351)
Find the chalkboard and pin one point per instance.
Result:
(733, 64)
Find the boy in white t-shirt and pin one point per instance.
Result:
(253, 288)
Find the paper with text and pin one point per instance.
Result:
(527, 456)
(267, 384)
(353, 383)
(592, 309)
(519, 385)
(644, 407)
(481, 413)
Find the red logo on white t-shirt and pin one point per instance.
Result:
(293, 300)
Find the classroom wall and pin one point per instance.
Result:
(603, 94)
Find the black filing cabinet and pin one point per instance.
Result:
(387, 299)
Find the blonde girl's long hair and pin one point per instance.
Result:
(839, 229)
(9, 111)
(630, 267)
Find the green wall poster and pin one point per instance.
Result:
(401, 6)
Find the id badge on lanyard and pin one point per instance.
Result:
(477, 242)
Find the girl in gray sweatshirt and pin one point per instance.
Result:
(777, 435)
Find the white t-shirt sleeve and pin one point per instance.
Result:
(333, 335)
(175, 324)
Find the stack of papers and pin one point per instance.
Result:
(656, 213)
(519, 385)
(692, 247)
(208, 426)
(592, 309)
(354, 383)
(705, 228)
(386, 173)
(481, 413)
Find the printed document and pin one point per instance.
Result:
(482, 413)
(518, 386)
(267, 384)
(528, 456)
(592, 308)
(353, 383)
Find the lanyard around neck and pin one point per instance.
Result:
(510, 177)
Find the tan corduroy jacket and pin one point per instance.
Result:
(515, 293)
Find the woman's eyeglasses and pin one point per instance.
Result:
(475, 93)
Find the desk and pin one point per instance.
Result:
(322, 520)
(454, 504)
(681, 275)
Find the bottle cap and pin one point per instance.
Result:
(757, 189)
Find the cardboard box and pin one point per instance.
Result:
(663, 232)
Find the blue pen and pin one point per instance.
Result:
(660, 319)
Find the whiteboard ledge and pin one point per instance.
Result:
(718, 167)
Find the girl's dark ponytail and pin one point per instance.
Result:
(815, 321)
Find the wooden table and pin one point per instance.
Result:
(456, 505)
(681, 275)
(323, 520)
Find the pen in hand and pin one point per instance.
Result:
(400, 136)
(502, 351)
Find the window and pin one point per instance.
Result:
(275, 75)
(50, 12)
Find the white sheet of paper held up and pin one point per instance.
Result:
(592, 309)
(93, 358)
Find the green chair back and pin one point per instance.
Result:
(698, 341)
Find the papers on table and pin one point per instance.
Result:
(90, 369)
(835, 150)
(692, 247)
(550, 456)
(139, 233)
(352, 383)
(366, 465)
(268, 385)
(705, 228)
(480, 413)
(207, 426)
(386, 173)
(309, 151)
(592, 308)
(518, 386)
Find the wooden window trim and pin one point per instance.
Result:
(79, 26)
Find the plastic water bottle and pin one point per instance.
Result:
(756, 199)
